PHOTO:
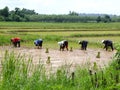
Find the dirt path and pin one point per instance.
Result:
(58, 58)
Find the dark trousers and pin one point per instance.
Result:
(107, 46)
(65, 45)
(16, 44)
(84, 46)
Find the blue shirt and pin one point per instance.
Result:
(37, 42)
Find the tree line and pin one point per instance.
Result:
(26, 15)
(15, 15)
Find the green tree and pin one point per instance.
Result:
(17, 11)
(72, 13)
(106, 19)
(28, 12)
(16, 17)
(1, 18)
(98, 19)
(5, 12)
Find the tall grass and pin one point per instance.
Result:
(18, 73)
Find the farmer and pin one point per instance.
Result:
(16, 41)
(83, 44)
(107, 43)
(63, 44)
(38, 43)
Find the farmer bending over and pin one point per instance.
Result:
(63, 44)
(83, 44)
(107, 43)
(15, 41)
(38, 43)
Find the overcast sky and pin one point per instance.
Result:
(64, 6)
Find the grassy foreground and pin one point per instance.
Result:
(19, 74)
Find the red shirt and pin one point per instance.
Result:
(15, 39)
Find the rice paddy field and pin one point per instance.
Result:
(51, 33)
(28, 68)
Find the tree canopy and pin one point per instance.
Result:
(26, 15)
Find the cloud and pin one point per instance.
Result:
(64, 6)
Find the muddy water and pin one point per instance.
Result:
(58, 58)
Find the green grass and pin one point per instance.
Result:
(51, 33)
(36, 25)
(18, 73)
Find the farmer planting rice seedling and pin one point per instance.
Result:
(63, 44)
(15, 41)
(107, 44)
(84, 44)
(38, 43)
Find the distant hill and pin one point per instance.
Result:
(95, 15)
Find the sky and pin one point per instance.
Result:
(64, 6)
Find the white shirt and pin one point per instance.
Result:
(61, 43)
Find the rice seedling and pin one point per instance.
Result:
(47, 50)
(98, 55)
